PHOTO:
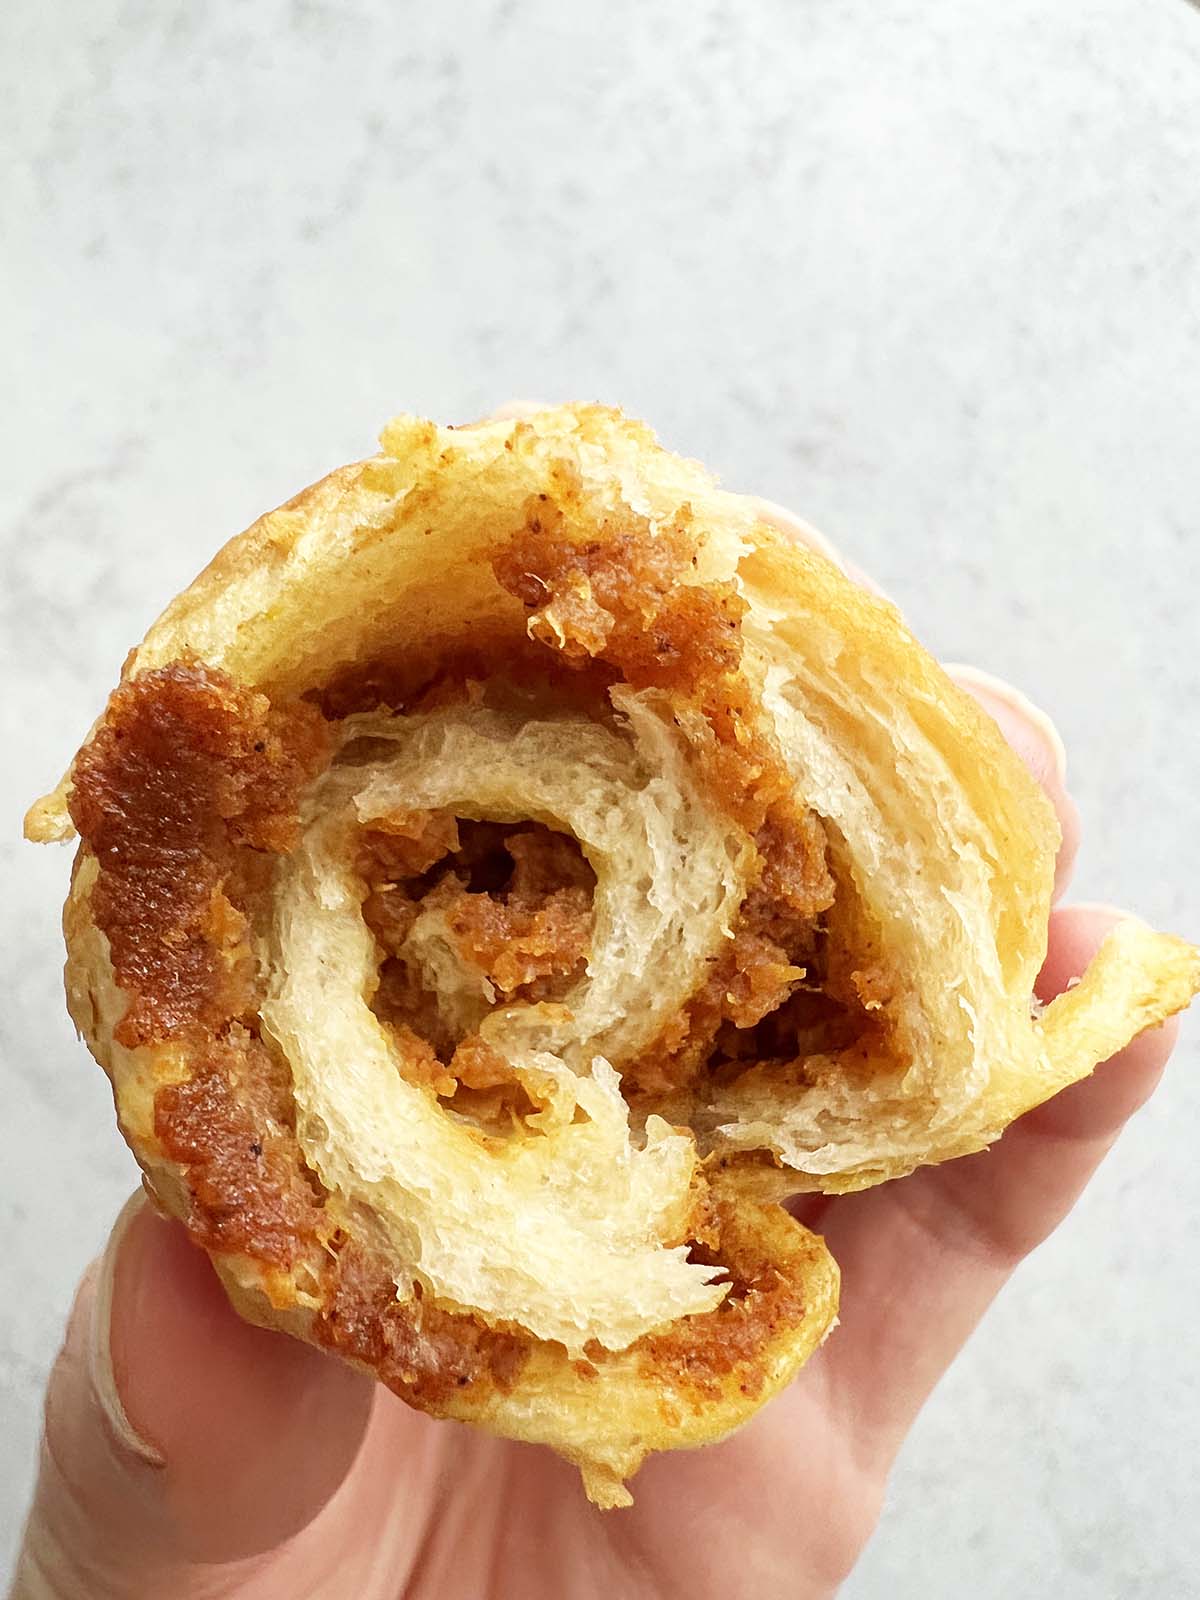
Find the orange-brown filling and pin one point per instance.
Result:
(517, 902)
(187, 789)
(190, 788)
(423, 1353)
(714, 1346)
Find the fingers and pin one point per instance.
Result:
(225, 1403)
(1039, 744)
(1097, 1109)
(922, 1258)
(177, 1434)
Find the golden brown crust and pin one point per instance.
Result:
(803, 920)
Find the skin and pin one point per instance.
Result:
(227, 1461)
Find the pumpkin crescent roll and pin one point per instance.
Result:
(507, 872)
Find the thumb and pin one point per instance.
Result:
(176, 1435)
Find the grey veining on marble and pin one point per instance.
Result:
(930, 274)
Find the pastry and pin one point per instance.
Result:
(511, 869)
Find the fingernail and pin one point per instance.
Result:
(104, 1379)
(997, 689)
(1103, 909)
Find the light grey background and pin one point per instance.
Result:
(928, 272)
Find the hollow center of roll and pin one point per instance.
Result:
(505, 908)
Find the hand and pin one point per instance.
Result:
(187, 1454)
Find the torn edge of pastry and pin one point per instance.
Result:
(508, 871)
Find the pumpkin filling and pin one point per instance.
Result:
(193, 787)
(513, 902)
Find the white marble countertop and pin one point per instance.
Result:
(930, 274)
